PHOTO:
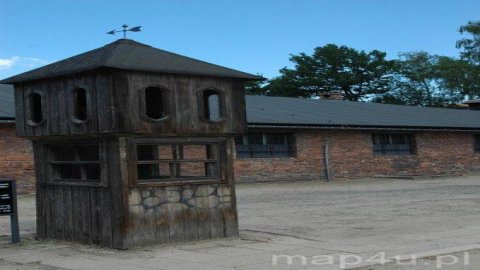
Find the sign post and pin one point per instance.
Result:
(8, 206)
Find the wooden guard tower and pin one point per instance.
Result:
(133, 145)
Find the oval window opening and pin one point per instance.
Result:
(36, 113)
(80, 104)
(154, 103)
(212, 105)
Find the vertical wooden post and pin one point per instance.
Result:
(326, 161)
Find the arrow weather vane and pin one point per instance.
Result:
(125, 30)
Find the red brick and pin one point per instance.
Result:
(16, 159)
(351, 156)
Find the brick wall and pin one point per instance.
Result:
(307, 165)
(16, 159)
(351, 156)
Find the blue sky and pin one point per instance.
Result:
(252, 36)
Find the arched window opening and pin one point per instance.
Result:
(212, 101)
(80, 104)
(35, 104)
(155, 103)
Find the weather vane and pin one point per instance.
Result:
(125, 30)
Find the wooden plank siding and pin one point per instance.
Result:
(182, 212)
(84, 214)
(185, 118)
(160, 215)
(57, 105)
(114, 105)
(117, 211)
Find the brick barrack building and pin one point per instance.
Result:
(292, 139)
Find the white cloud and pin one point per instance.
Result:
(30, 62)
(6, 63)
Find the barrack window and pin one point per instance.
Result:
(393, 144)
(265, 145)
(476, 144)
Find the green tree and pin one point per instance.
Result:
(331, 68)
(420, 80)
(459, 78)
(470, 46)
(464, 74)
(256, 88)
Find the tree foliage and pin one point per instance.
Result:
(254, 88)
(415, 78)
(470, 46)
(459, 78)
(419, 82)
(431, 80)
(333, 68)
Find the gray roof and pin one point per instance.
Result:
(130, 55)
(290, 112)
(281, 111)
(7, 106)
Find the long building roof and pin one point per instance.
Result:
(285, 112)
(127, 54)
(282, 111)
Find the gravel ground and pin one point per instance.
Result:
(5, 265)
(398, 216)
(26, 218)
(359, 218)
(469, 260)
